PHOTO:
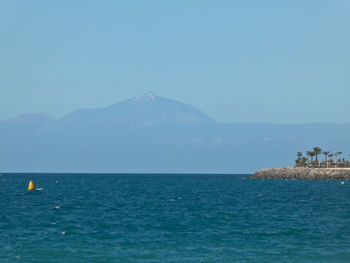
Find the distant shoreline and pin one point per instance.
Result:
(303, 173)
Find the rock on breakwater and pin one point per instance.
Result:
(303, 173)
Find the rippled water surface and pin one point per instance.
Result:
(172, 218)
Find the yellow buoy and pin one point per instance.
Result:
(342, 182)
(31, 186)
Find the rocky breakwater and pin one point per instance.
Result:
(303, 173)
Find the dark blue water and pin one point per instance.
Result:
(172, 218)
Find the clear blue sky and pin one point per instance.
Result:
(239, 61)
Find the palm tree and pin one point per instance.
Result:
(326, 155)
(340, 153)
(331, 156)
(303, 161)
(312, 154)
(317, 151)
(340, 159)
(298, 161)
(308, 156)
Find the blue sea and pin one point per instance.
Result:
(172, 218)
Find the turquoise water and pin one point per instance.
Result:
(172, 218)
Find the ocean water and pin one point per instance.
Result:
(172, 218)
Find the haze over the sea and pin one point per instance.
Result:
(149, 133)
(171, 86)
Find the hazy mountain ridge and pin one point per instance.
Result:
(148, 109)
(154, 134)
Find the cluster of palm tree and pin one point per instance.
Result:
(330, 159)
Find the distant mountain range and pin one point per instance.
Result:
(154, 134)
(147, 110)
